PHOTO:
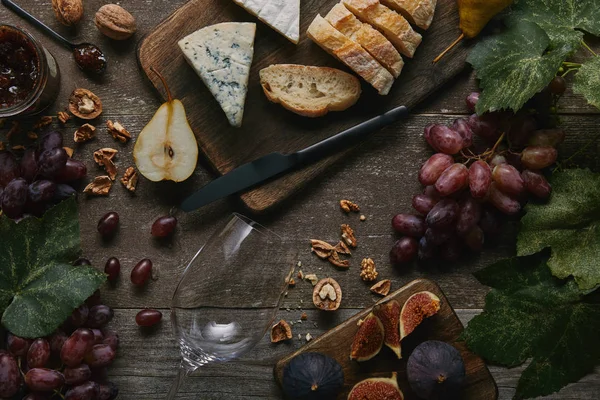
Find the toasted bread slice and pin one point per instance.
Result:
(417, 12)
(309, 91)
(371, 39)
(393, 25)
(351, 54)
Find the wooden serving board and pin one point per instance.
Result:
(268, 127)
(444, 326)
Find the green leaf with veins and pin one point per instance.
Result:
(569, 224)
(514, 65)
(587, 81)
(38, 286)
(529, 314)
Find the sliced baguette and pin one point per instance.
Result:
(418, 12)
(309, 91)
(371, 39)
(393, 25)
(351, 54)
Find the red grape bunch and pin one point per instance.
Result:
(484, 167)
(39, 179)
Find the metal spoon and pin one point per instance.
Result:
(87, 56)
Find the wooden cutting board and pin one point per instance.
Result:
(268, 127)
(444, 326)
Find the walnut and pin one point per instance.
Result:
(32, 135)
(63, 117)
(280, 332)
(368, 273)
(100, 186)
(291, 282)
(348, 235)
(19, 147)
(335, 259)
(300, 275)
(110, 167)
(85, 133)
(321, 249)
(115, 22)
(308, 337)
(382, 288)
(347, 206)
(342, 248)
(69, 151)
(304, 316)
(363, 218)
(327, 295)
(100, 154)
(312, 278)
(85, 104)
(117, 131)
(130, 179)
(68, 12)
(42, 122)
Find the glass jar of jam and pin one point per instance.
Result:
(29, 74)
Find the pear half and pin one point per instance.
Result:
(166, 149)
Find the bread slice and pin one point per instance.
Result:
(309, 91)
(393, 25)
(364, 34)
(351, 54)
(281, 15)
(418, 12)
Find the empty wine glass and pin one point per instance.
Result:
(229, 295)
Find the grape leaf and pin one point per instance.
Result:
(587, 81)
(38, 286)
(515, 65)
(570, 225)
(529, 314)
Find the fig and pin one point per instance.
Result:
(327, 295)
(368, 341)
(389, 315)
(419, 306)
(377, 389)
(312, 376)
(436, 371)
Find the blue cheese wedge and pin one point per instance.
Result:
(221, 55)
(281, 15)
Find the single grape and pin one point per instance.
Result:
(536, 184)
(112, 339)
(29, 167)
(438, 236)
(73, 170)
(491, 221)
(99, 316)
(164, 226)
(98, 336)
(52, 161)
(38, 354)
(57, 340)
(17, 346)
(404, 251)
(15, 198)
(10, 377)
(446, 139)
(63, 192)
(77, 375)
(51, 140)
(521, 129)
(547, 137)
(108, 224)
(427, 250)
(41, 191)
(464, 130)
(538, 157)
(79, 316)
(558, 85)
(148, 317)
(508, 179)
(85, 391)
(82, 261)
(485, 127)
(443, 214)
(451, 250)
(472, 100)
(423, 204)
(468, 216)
(76, 346)
(427, 135)
(502, 201)
(9, 168)
(475, 239)
(44, 380)
(108, 391)
(434, 167)
(480, 179)
(409, 225)
(453, 179)
(101, 355)
(141, 273)
(112, 269)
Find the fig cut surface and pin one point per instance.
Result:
(377, 389)
(368, 340)
(417, 308)
(389, 315)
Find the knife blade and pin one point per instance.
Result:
(272, 165)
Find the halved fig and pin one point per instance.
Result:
(389, 315)
(419, 306)
(377, 389)
(368, 341)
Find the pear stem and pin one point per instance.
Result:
(164, 82)
(453, 45)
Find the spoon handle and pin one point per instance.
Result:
(24, 14)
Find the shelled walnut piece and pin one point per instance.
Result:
(84, 104)
(368, 271)
(105, 152)
(110, 167)
(84, 133)
(43, 122)
(63, 117)
(130, 179)
(347, 206)
(100, 186)
(348, 235)
(280, 332)
(117, 131)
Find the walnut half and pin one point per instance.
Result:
(100, 186)
(368, 272)
(85, 133)
(130, 179)
(84, 104)
(280, 332)
(117, 131)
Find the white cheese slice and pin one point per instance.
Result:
(281, 15)
(221, 55)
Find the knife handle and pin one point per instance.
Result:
(350, 136)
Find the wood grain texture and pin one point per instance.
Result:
(444, 326)
(268, 127)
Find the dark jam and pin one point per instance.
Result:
(19, 68)
(90, 58)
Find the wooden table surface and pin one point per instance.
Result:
(381, 176)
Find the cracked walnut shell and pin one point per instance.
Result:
(105, 152)
(368, 272)
(335, 259)
(84, 133)
(321, 249)
(382, 288)
(84, 104)
(117, 131)
(280, 332)
(327, 295)
(100, 186)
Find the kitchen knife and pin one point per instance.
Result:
(267, 167)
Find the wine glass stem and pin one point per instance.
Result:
(182, 373)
